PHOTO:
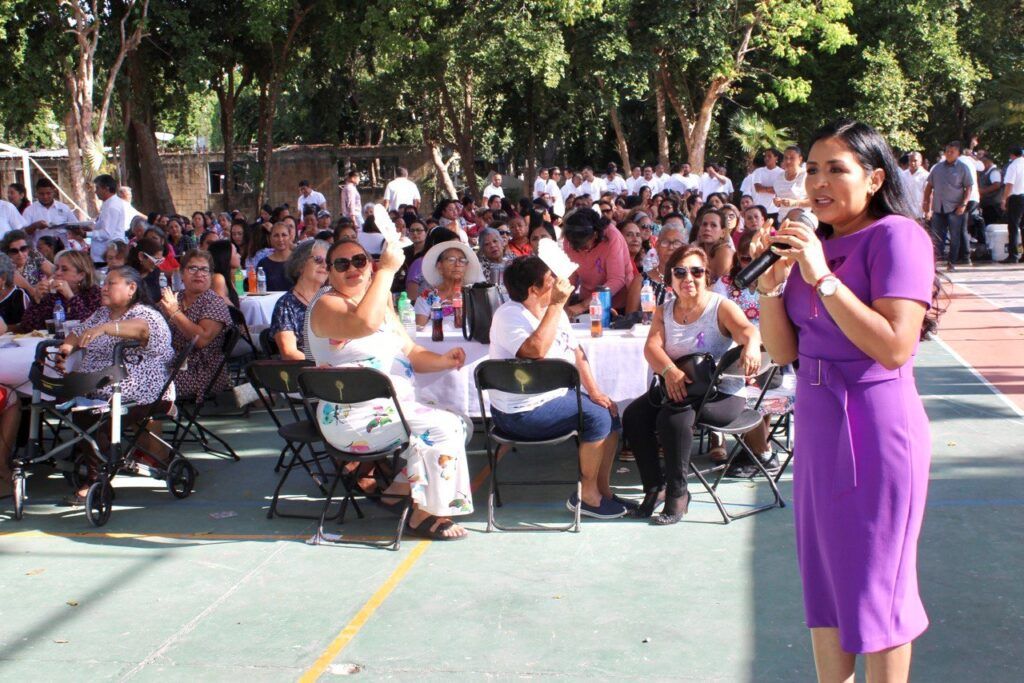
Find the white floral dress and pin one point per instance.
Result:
(435, 462)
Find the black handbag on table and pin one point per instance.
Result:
(479, 302)
(700, 368)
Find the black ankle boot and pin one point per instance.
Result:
(651, 500)
(674, 510)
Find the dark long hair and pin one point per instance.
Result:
(133, 276)
(892, 198)
(220, 251)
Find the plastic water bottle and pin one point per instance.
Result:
(457, 309)
(58, 319)
(650, 261)
(596, 313)
(239, 283)
(647, 303)
(407, 315)
(163, 281)
(261, 281)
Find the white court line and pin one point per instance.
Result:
(981, 378)
(993, 304)
(194, 622)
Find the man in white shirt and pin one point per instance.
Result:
(401, 192)
(10, 218)
(494, 187)
(45, 215)
(635, 181)
(915, 178)
(714, 181)
(691, 181)
(764, 178)
(613, 182)
(540, 185)
(592, 185)
(649, 180)
(114, 220)
(555, 192)
(660, 177)
(533, 326)
(572, 188)
(307, 195)
(1013, 201)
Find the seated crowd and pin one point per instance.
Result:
(168, 280)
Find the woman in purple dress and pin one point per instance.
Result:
(851, 303)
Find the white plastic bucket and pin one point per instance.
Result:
(997, 237)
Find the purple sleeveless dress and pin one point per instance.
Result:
(863, 448)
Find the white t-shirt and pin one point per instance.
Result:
(633, 185)
(915, 188)
(540, 188)
(10, 218)
(511, 326)
(112, 224)
(492, 190)
(57, 214)
(791, 189)
(709, 186)
(659, 181)
(616, 185)
(767, 177)
(570, 189)
(593, 187)
(556, 197)
(400, 192)
(1015, 175)
(975, 196)
(313, 198)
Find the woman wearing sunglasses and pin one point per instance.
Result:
(30, 266)
(671, 239)
(198, 312)
(697, 321)
(307, 268)
(352, 323)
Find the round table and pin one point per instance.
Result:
(17, 355)
(258, 309)
(617, 359)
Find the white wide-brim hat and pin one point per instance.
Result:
(432, 275)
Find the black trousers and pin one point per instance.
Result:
(1014, 214)
(644, 425)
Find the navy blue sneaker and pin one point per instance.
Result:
(608, 509)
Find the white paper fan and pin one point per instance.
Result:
(556, 259)
(384, 223)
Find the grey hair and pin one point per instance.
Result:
(487, 232)
(300, 255)
(6, 269)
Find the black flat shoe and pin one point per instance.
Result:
(626, 503)
(651, 500)
(675, 509)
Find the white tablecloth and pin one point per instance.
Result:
(617, 359)
(258, 310)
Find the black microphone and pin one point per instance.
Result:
(767, 259)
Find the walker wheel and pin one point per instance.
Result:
(181, 478)
(99, 502)
(18, 481)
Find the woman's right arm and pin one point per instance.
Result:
(336, 318)
(287, 345)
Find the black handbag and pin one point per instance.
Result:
(700, 368)
(479, 302)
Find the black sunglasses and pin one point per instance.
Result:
(696, 271)
(342, 264)
(23, 249)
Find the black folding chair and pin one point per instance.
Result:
(525, 377)
(275, 382)
(245, 349)
(267, 344)
(743, 423)
(187, 427)
(351, 386)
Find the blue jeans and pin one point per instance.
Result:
(556, 418)
(956, 227)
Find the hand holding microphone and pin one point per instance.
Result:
(763, 267)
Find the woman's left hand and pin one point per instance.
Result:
(168, 300)
(92, 333)
(804, 248)
(751, 360)
(64, 289)
(455, 357)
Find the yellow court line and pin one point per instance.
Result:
(359, 620)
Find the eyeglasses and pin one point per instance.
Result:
(319, 260)
(504, 233)
(416, 231)
(196, 270)
(359, 261)
(456, 260)
(13, 251)
(673, 244)
(696, 271)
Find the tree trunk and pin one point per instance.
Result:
(144, 170)
(531, 143)
(440, 168)
(79, 189)
(697, 140)
(620, 138)
(659, 116)
(467, 149)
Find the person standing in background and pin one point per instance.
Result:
(307, 196)
(401, 191)
(945, 201)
